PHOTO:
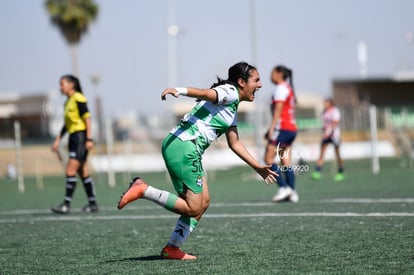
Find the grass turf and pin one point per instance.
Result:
(234, 237)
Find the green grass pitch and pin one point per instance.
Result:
(363, 225)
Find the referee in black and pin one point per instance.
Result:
(78, 125)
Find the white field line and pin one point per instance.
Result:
(217, 216)
(220, 205)
(352, 200)
(134, 207)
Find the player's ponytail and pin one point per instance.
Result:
(330, 101)
(73, 79)
(290, 79)
(287, 76)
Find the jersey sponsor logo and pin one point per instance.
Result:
(199, 181)
(72, 154)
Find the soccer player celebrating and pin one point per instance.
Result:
(282, 133)
(331, 134)
(214, 114)
(78, 125)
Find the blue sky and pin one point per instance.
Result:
(127, 45)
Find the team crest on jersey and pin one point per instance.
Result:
(199, 181)
(224, 99)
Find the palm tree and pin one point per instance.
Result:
(72, 17)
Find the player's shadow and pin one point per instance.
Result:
(133, 259)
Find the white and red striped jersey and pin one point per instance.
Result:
(284, 93)
(331, 116)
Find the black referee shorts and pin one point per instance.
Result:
(77, 149)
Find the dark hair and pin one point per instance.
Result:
(287, 75)
(73, 79)
(237, 71)
(330, 100)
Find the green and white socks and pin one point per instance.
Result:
(184, 227)
(161, 197)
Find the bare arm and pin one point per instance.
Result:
(89, 141)
(58, 138)
(240, 150)
(85, 115)
(276, 117)
(203, 94)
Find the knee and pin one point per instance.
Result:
(206, 203)
(194, 212)
(269, 158)
(70, 171)
(83, 172)
(199, 209)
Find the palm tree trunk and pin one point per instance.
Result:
(74, 57)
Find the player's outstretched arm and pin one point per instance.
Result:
(275, 119)
(239, 149)
(202, 94)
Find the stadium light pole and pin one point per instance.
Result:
(172, 43)
(110, 152)
(19, 158)
(253, 32)
(101, 133)
(362, 51)
(374, 139)
(253, 49)
(95, 80)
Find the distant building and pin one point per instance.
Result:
(40, 115)
(29, 110)
(308, 111)
(393, 96)
(381, 92)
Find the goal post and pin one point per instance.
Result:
(374, 139)
(19, 157)
(109, 151)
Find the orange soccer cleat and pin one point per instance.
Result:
(135, 191)
(175, 253)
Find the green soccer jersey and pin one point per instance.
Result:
(207, 120)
